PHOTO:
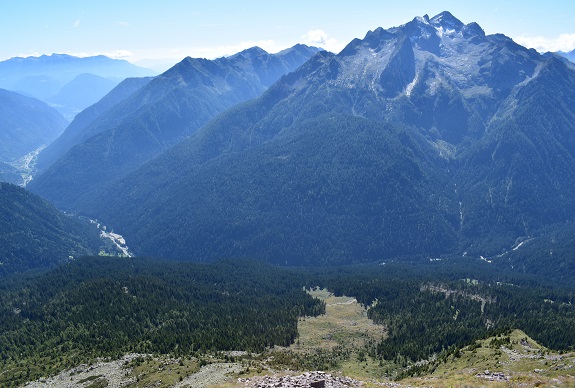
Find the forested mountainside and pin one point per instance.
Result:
(9, 174)
(25, 125)
(85, 124)
(34, 234)
(423, 139)
(110, 307)
(162, 113)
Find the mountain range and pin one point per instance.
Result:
(80, 93)
(153, 118)
(425, 139)
(437, 158)
(85, 124)
(67, 82)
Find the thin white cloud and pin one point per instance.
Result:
(564, 42)
(79, 20)
(321, 39)
(123, 24)
(26, 55)
(116, 54)
(119, 54)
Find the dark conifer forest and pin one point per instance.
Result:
(106, 307)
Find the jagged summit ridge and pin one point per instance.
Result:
(443, 24)
(446, 23)
(438, 55)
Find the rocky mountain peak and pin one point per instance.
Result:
(252, 52)
(446, 20)
(472, 29)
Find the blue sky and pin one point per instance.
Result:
(173, 29)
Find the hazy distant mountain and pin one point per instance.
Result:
(33, 234)
(162, 113)
(52, 78)
(43, 77)
(25, 125)
(569, 55)
(422, 139)
(159, 65)
(84, 90)
(85, 124)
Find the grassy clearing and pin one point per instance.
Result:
(344, 323)
(343, 332)
(160, 372)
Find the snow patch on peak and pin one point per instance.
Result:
(422, 19)
(443, 31)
